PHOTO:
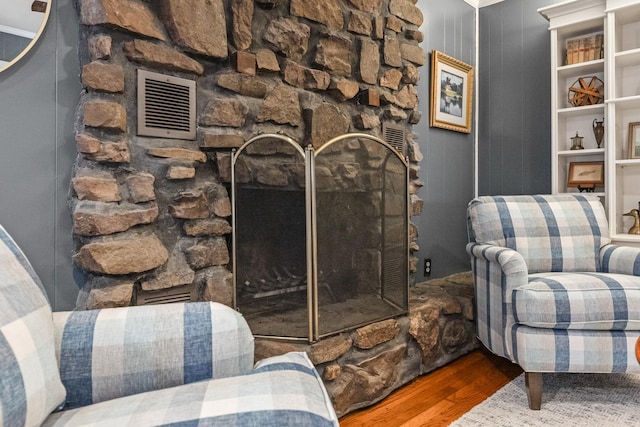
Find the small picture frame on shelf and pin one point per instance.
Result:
(633, 151)
(586, 175)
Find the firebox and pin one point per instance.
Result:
(320, 240)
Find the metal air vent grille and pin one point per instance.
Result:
(166, 106)
(394, 135)
(166, 296)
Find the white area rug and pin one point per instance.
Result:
(567, 400)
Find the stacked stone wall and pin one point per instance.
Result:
(151, 214)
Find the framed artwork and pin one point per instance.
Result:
(634, 141)
(586, 174)
(451, 93)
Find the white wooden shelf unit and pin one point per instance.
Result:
(619, 20)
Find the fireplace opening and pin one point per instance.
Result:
(320, 236)
(271, 284)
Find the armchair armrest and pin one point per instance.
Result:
(620, 259)
(510, 261)
(115, 352)
(496, 272)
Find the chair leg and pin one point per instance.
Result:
(533, 382)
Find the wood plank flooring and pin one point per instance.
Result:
(440, 397)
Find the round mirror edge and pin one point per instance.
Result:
(33, 41)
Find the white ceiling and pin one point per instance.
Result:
(17, 14)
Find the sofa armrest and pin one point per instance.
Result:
(283, 390)
(115, 352)
(620, 259)
(496, 272)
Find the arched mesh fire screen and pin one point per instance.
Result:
(320, 241)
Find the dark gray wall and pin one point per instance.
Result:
(447, 167)
(38, 97)
(514, 128)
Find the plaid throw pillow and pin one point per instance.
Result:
(30, 386)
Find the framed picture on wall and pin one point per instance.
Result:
(634, 140)
(451, 93)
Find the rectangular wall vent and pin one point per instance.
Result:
(166, 296)
(394, 135)
(166, 106)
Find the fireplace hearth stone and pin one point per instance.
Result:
(363, 366)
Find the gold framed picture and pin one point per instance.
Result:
(633, 151)
(451, 93)
(586, 174)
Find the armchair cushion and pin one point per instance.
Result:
(594, 301)
(30, 386)
(564, 350)
(106, 354)
(552, 233)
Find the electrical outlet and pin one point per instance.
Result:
(427, 266)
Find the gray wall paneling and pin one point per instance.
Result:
(514, 129)
(447, 169)
(38, 97)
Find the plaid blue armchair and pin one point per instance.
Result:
(175, 364)
(552, 293)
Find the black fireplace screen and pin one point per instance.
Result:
(320, 236)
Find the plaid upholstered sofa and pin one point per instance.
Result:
(552, 293)
(176, 364)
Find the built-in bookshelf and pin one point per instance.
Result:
(598, 39)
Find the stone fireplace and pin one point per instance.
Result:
(152, 213)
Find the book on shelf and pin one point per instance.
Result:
(599, 50)
(587, 47)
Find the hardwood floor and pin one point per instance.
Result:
(440, 397)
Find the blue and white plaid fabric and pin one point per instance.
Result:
(620, 259)
(594, 301)
(30, 386)
(547, 261)
(566, 350)
(282, 391)
(552, 233)
(105, 354)
(496, 272)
